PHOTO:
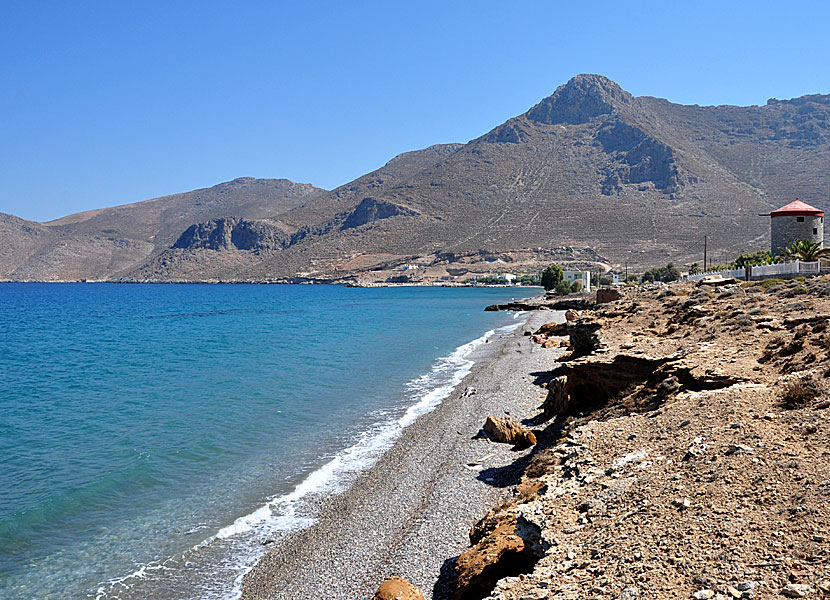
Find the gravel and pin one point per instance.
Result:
(410, 514)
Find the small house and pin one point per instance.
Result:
(584, 277)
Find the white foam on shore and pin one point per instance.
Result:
(430, 389)
(283, 514)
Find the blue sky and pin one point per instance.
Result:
(105, 103)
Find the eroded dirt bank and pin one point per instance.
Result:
(683, 453)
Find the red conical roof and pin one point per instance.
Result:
(797, 208)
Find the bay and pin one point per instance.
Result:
(142, 423)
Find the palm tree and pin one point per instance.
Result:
(806, 251)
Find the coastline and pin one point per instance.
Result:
(409, 514)
(386, 396)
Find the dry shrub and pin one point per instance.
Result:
(773, 347)
(793, 347)
(796, 291)
(741, 321)
(768, 283)
(776, 342)
(799, 393)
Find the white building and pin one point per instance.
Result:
(507, 277)
(584, 277)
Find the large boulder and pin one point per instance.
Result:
(584, 336)
(553, 328)
(605, 295)
(505, 545)
(508, 430)
(716, 281)
(397, 588)
(558, 398)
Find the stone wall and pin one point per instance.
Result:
(787, 229)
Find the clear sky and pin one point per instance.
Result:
(111, 102)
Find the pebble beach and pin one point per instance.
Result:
(409, 515)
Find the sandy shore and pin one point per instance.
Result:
(410, 514)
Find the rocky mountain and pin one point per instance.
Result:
(104, 243)
(229, 233)
(591, 174)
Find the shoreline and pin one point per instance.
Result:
(214, 568)
(278, 282)
(201, 563)
(409, 513)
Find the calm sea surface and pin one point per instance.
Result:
(154, 438)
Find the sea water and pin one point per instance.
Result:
(156, 439)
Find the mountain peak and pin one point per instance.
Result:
(584, 97)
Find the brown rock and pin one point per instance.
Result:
(716, 281)
(397, 588)
(796, 590)
(508, 431)
(551, 343)
(558, 398)
(605, 295)
(584, 337)
(553, 328)
(571, 315)
(504, 546)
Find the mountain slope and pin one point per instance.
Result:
(590, 174)
(589, 166)
(105, 242)
(592, 165)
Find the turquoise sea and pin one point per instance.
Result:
(154, 439)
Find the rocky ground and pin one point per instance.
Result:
(683, 452)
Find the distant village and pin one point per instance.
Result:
(796, 249)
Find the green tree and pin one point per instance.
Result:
(694, 269)
(762, 257)
(664, 274)
(669, 273)
(563, 288)
(576, 287)
(806, 251)
(528, 280)
(552, 276)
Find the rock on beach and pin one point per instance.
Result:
(397, 588)
(508, 430)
